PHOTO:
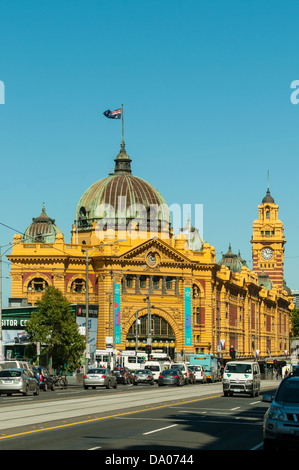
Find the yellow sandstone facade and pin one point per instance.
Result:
(185, 301)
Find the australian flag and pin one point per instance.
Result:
(116, 114)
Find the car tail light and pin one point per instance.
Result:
(103, 376)
(160, 376)
(176, 376)
(85, 376)
(41, 378)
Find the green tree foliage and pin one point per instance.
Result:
(295, 322)
(53, 325)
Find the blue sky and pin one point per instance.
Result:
(206, 89)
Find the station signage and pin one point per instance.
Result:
(14, 323)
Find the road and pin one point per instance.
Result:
(189, 418)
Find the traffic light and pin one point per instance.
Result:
(148, 349)
(232, 352)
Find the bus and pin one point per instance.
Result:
(104, 358)
(111, 359)
(132, 360)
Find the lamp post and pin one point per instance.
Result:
(87, 295)
(115, 277)
(137, 322)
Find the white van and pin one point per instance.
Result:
(241, 377)
(155, 367)
(14, 364)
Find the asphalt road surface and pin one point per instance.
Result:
(185, 419)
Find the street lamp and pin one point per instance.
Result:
(115, 277)
(87, 295)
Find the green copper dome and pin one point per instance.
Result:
(42, 229)
(232, 261)
(264, 280)
(123, 197)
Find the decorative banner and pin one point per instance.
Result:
(222, 343)
(188, 329)
(117, 320)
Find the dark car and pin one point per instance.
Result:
(123, 375)
(281, 425)
(44, 379)
(171, 377)
(143, 376)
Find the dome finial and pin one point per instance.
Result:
(122, 161)
(268, 198)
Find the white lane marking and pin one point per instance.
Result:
(160, 429)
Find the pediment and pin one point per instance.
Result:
(268, 228)
(155, 252)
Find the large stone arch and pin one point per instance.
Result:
(163, 313)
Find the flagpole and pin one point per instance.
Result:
(122, 124)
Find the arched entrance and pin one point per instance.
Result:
(163, 336)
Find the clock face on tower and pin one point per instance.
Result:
(267, 253)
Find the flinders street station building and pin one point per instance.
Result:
(142, 284)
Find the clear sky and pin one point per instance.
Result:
(206, 88)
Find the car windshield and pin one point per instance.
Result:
(10, 373)
(142, 371)
(170, 372)
(238, 368)
(196, 368)
(288, 392)
(96, 371)
(177, 366)
(153, 368)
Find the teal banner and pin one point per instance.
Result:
(117, 318)
(188, 328)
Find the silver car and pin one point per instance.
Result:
(99, 378)
(281, 421)
(18, 381)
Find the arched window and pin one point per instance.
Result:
(78, 286)
(38, 284)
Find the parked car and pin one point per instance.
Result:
(18, 381)
(182, 366)
(14, 364)
(143, 376)
(44, 378)
(200, 373)
(123, 375)
(171, 377)
(99, 378)
(280, 426)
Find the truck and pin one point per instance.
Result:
(209, 362)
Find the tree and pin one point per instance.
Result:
(53, 325)
(295, 322)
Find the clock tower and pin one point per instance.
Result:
(268, 242)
